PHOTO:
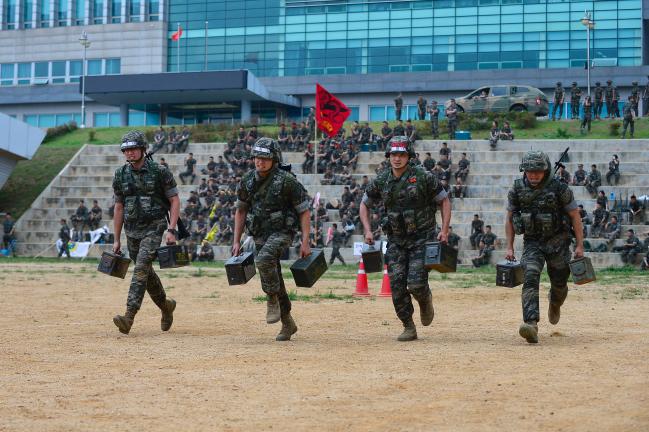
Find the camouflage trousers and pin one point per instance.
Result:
(574, 106)
(335, 253)
(267, 258)
(452, 127)
(557, 108)
(434, 127)
(143, 251)
(408, 276)
(556, 253)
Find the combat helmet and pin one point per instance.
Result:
(266, 148)
(535, 160)
(133, 139)
(399, 144)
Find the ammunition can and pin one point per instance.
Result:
(509, 274)
(240, 269)
(306, 271)
(441, 257)
(113, 264)
(372, 257)
(582, 271)
(173, 256)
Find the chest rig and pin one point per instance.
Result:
(143, 194)
(408, 208)
(271, 210)
(540, 215)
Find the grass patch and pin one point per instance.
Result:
(315, 297)
(633, 293)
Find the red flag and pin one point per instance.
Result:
(177, 34)
(330, 112)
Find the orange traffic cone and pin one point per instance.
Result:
(361, 281)
(385, 286)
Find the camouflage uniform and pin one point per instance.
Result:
(610, 97)
(593, 182)
(599, 96)
(451, 118)
(558, 101)
(629, 122)
(575, 97)
(410, 204)
(273, 205)
(337, 241)
(143, 193)
(398, 106)
(421, 108)
(434, 119)
(539, 214)
(635, 95)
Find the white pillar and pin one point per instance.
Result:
(162, 10)
(86, 12)
(52, 13)
(123, 10)
(143, 11)
(18, 15)
(104, 13)
(34, 13)
(70, 20)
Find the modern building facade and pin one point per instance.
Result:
(364, 50)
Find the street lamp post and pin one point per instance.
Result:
(588, 22)
(85, 43)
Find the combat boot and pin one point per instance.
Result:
(273, 313)
(167, 314)
(125, 322)
(554, 313)
(289, 328)
(409, 331)
(529, 331)
(426, 310)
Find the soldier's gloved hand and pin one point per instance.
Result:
(305, 250)
(369, 237)
(509, 256)
(117, 246)
(443, 236)
(236, 247)
(579, 251)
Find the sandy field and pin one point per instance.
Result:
(65, 367)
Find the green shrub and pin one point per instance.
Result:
(149, 135)
(92, 134)
(562, 133)
(61, 130)
(525, 120)
(614, 128)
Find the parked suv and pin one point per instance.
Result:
(504, 98)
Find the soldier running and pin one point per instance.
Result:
(272, 205)
(410, 196)
(541, 207)
(143, 192)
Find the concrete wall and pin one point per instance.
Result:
(142, 47)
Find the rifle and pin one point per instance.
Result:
(557, 164)
(182, 229)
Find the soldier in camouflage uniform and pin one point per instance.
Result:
(273, 205)
(451, 118)
(337, 240)
(594, 180)
(599, 97)
(410, 197)
(422, 106)
(144, 191)
(629, 122)
(541, 208)
(398, 106)
(575, 98)
(433, 109)
(645, 99)
(610, 95)
(635, 96)
(557, 101)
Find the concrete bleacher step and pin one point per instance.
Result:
(89, 175)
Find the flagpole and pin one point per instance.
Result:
(178, 51)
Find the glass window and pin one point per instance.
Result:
(45, 12)
(100, 120)
(46, 120)
(116, 11)
(58, 72)
(79, 11)
(377, 113)
(113, 66)
(154, 10)
(134, 10)
(10, 13)
(41, 70)
(114, 119)
(24, 73)
(94, 67)
(31, 119)
(98, 11)
(7, 74)
(62, 12)
(28, 11)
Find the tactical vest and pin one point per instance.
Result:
(408, 208)
(271, 209)
(540, 215)
(144, 200)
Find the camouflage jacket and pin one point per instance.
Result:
(145, 194)
(272, 203)
(594, 178)
(410, 201)
(599, 94)
(540, 214)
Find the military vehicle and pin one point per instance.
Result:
(503, 98)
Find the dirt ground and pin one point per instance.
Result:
(65, 367)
